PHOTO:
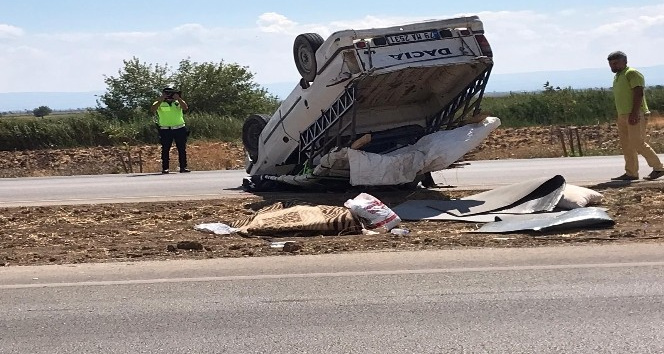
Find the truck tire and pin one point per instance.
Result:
(304, 52)
(251, 132)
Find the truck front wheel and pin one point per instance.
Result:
(304, 52)
(251, 132)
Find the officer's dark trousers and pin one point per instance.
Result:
(166, 137)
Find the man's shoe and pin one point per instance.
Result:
(164, 171)
(624, 177)
(654, 175)
(184, 170)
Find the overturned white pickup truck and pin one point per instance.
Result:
(366, 98)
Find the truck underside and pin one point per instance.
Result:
(408, 104)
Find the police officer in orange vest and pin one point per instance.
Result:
(169, 108)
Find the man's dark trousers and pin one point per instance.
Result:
(166, 137)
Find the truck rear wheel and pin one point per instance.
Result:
(251, 132)
(304, 52)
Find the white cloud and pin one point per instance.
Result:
(567, 12)
(275, 23)
(522, 41)
(9, 31)
(129, 37)
(577, 40)
(194, 28)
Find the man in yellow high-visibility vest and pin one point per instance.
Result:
(630, 100)
(170, 109)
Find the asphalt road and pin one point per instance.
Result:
(592, 299)
(220, 184)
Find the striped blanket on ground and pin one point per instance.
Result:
(297, 218)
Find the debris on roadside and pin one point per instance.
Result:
(538, 195)
(574, 219)
(216, 228)
(399, 231)
(378, 215)
(288, 218)
(543, 204)
(360, 215)
(291, 247)
(286, 246)
(579, 197)
(189, 245)
(278, 244)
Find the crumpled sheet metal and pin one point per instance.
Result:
(491, 217)
(573, 219)
(537, 195)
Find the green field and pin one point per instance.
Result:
(552, 107)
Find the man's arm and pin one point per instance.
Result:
(637, 101)
(182, 103)
(156, 104)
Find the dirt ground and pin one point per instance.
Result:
(160, 231)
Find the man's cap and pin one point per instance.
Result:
(617, 55)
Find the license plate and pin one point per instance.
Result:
(413, 37)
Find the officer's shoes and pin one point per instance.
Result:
(164, 171)
(184, 170)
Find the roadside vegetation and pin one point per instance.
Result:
(562, 107)
(220, 95)
(223, 95)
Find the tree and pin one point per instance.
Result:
(216, 88)
(549, 88)
(42, 111)
(223, 89)
(130, 94)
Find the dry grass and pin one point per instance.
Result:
(545, 142)
(207, 156)
(504, 143)
(656, 122)
(109, 160)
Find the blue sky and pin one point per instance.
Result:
(69, 45)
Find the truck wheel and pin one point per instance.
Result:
(304, 52)
(251, 132)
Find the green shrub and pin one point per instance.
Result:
(201, 126)
(51, 132)
(550, 107)
(562, 106)
(209, 126)
(655, 98)
(90, 129)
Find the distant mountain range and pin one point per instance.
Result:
(498, 83)
(534, 81)
(577, 79)
(21, 101)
